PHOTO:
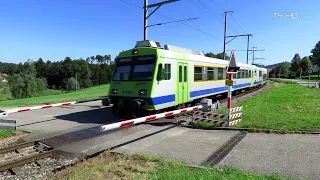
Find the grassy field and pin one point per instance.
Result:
(53, 96)
(6, 133)
(284, 107)
(108, 166)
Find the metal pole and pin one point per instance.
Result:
(145, 30)
(225, 33)
(229, 99)
(76, 81)
(279, 71)
(248, 50)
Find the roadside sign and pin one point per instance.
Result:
(232, 67)
(229, 82)
(310, 71)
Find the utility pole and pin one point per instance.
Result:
(233, 37)
(279, 71)
(146, 16)
(76, 81)
(253, 50)
(225, 33)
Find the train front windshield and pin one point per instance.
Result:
(139, 68)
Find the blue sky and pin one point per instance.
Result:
(78, 28)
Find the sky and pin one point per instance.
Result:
(52, 30)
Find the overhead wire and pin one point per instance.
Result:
(179, 22)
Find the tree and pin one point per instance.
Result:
(315, 58)
(218, 56)
(305, 64)
(99, 59)
(295, 63)
(285, 68)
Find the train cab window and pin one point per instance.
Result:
(185, 73)
(167, 68)
(255, 73)
(210, 73)
(220, 73)
(197, 73)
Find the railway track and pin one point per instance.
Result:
(24, 153)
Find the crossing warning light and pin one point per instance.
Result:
(232, 68)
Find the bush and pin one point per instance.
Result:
(70, 84)
(26, 85)
(283, 81)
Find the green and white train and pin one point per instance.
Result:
(149, 77)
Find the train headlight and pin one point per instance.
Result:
(142, 92)
(114, 91)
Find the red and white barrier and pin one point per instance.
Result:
(25, 109)
(147, 118)
(204, 117)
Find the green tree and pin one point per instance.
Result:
(315, 58)
(295, 64)
(305, 64)
(284, 68)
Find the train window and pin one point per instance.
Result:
(185, 73)
(260, 73)
(255, 73)
(197, 73)
(249, 73)
(180, 73)
(264, 76)
(210, 73)
(220, 73)
(167, 68)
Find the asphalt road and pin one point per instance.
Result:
(287, 155)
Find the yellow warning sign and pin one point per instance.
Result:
(229, 82)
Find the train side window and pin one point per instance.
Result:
(210, 73)
(167, 68)
(180, 73)
(185, 73)
(260, 73)
(197, 73)
(220, 73)
(249, 73)
(255, 73)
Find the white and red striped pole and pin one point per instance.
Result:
(229, 98)
(147, 118)
(25, 109)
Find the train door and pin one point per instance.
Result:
(182, 83)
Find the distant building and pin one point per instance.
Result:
(3, 77)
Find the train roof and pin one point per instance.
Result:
(193, 54)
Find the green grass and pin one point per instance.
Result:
(6, 133)
(142, 166)
(284, 107)
(50, 92)
(89, 93)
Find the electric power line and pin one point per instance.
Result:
(175, 20)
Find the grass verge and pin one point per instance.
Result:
(6, 133)
(137, 166)
(287, 107)
(89, 93)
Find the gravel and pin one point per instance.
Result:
(36, 171)
(45, 167)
